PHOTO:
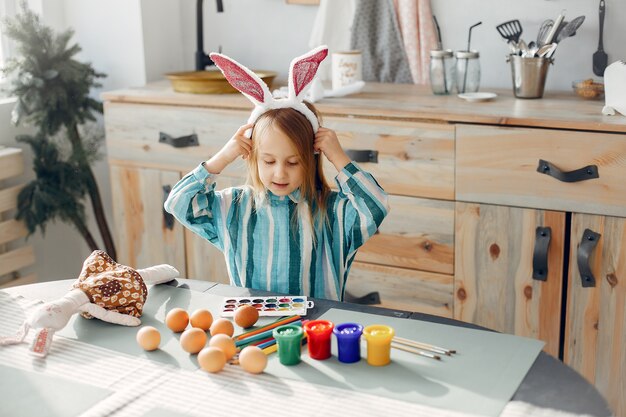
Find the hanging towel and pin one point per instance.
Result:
(376, 34)
(415, 19)
(332, 27)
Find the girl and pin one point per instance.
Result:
(285, 231)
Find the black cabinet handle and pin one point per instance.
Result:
(582, 174)
(180, 142)
(368, 299)
(585, 248)
(168, 219)
(540, 254)
(367, 155)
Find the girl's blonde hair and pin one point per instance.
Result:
(314, 189)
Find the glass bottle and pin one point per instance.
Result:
(442, 71)
(467, 71)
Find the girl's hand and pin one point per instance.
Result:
(326, 142)
(238, 145)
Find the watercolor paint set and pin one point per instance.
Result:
(268, 306)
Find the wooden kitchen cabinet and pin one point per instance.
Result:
(145, 235)
(595, 332)
(469, 186)
(494, 285)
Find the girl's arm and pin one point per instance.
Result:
(194, 201)
(363, 204)
(366, 207)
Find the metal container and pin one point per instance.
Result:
(529, 75)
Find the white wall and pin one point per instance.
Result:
(137, 41)
(241, 30)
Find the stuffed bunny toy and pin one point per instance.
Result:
(105, 290)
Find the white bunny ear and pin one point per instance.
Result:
(303, 69)
(242, 79)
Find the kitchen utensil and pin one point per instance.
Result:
(439, 42)
(570, 29)
(523, 47)
(511, 30)
(552, 33)
(600, 58)
(546, 50)
(544, 29)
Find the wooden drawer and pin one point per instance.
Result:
(417, 234)
(403, 289)
(499, 165)
(414, 159)
(132, 135)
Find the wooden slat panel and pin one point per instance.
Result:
(499, 165)
(417, 234)
(12, 163)
(493, 273)
(132, 134)
(8, 197)
(403, 289)
(141, 235)
(25, 280)
(414, 159)
(205, 261)
(16, 259)
(595, 334)
(11, 230)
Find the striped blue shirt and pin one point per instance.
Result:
(265, 248)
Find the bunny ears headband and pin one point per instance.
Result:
(302, 70)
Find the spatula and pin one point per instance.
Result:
(600, 58)
(569, 29)
(511, 30)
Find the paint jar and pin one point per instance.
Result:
(378, 338)
(288, 338)
(348, 342)
(318, 334)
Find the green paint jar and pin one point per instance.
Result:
(289, 341)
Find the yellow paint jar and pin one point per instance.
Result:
(378, 337)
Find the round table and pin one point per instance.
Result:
(549, 383)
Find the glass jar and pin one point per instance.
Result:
(442, 71)
(467, 71)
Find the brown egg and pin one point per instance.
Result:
(211, 359)
(177, 319)
(246, 316)
(252, 359)
(202, 319)
(193, 340)
(148, 338)
(225, 343)
(222, 326)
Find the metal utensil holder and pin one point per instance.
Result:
(529, 75)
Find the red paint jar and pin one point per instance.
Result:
(318, 338)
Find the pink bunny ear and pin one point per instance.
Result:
(242, 79)
(303, 69)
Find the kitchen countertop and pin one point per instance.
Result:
(558, 110)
